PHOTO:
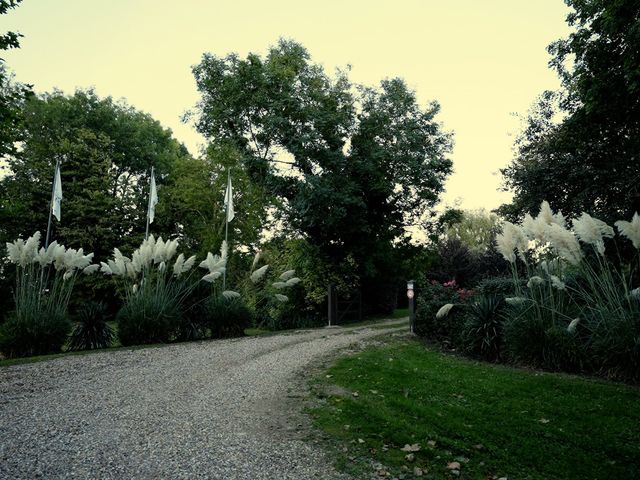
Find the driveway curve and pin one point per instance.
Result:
(228, 409)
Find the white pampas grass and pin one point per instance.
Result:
(547, 215)
(511, 239)
(90, 269)
(67, 275)
(292, 281)
(444, 310)
(565, 244)
(281, 298)
(573, 325)
(104, 268)
(535, 280)
(515, 301)
(182, 266)
(279, 285)
(635, 293)
(287, 275)
(556, 282)
(259, 274)
(592, 231)
(210, 277)
(631, 229)
(230, 294)
(256, 259)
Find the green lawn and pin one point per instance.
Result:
(492, 420)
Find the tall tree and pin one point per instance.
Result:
(589, 159)
(350, 167)
(12, 94)
(106, 149)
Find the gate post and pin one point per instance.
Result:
(412, 305)
(331, 303)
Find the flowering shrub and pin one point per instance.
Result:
(44, 282)
(439, 315)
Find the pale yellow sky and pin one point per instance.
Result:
(482, 60)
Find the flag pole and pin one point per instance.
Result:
(146, 233)
(226, 229)
(53, 186)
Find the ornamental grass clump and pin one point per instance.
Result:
(570, 275)
(45, 279)
(156, 288)
(223, 313)
(268, 298)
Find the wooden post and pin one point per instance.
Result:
(412, 305)
(331, 303)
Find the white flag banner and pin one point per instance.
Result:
(153, 198)
(228, 201)
(57, 193)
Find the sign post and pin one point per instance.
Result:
(412, 305)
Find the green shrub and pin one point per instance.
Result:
(482, 332)
(91, 329)
(615, 344)
(501, 286)
(430, 299)
(537, 338)
(226, 317)
(29, 332)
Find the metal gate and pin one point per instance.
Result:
(342, 309)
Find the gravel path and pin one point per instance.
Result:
(225, 409)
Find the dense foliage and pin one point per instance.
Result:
(349, 169)
(580, 148)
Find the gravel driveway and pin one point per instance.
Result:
(227, 409)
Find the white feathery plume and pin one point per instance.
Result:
(444, 310)
(631, 229)
(292, 281)
(556, 282)
(287, 275)
(592, 231)
(67, 275)
(14, 250)
(573, 325)
(256, 259)
(90, 269)
(188, 264)
(279, 285)
(104, 268)
(565, 244)
(162, 266)
(511, 239)
(514, 301)
(534, 228)
(224, 250)
(30, 250)
(230, 294)
(635, 293)
(178, 265)
(281, 298)
(210, 277)
(259, 273)
(535, 280)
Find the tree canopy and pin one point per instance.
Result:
(348, 167)
(588, 159)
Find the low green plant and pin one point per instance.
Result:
(226, 316)
(482, 331)
(91, 329)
